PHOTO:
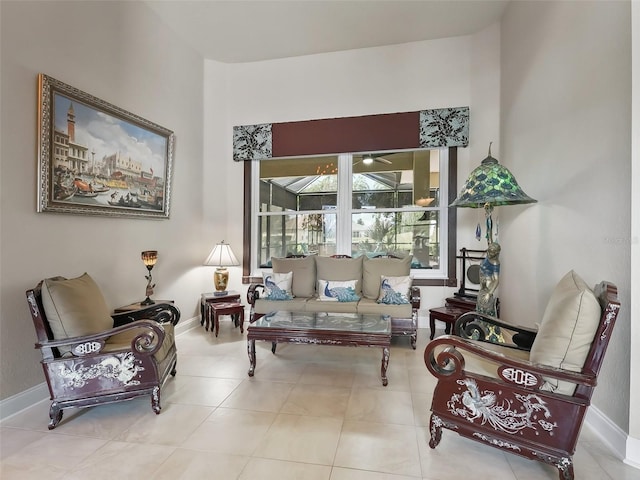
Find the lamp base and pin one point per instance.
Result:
(221, 280)
(220, 294)
(147, 301)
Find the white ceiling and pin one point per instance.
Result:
(252, 30)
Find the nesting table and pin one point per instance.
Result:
(212, 306)
(454, 307)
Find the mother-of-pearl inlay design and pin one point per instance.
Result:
(474, 405)
(122, 367)
(496, 442)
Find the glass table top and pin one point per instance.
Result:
(350, 322)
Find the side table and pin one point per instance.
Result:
(448, 315)
(210, 298)
(137, 306)
(454, 307)
(234, 309)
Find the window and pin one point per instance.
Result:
(355, 204)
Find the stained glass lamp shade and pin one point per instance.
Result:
(488, 186)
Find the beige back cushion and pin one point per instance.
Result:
(567, 329)
(303, 283)
(75, 307)
(374, 268)
(340, 269)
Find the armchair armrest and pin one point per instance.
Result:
(414, 294)
(253, 293)
(449, 362)
(159, 312)
(147, 342)
(469, 327)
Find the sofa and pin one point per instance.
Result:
(340, 284)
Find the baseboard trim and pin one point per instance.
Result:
(185, 326)
(18, 402)
(611, 434)
(27, 398)
(633, 452)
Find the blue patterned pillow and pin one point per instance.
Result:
(336, 291)
(394, 290)
(277, 286)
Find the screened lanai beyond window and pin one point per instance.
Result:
(362, 204)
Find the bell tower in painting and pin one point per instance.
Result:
(71, 124)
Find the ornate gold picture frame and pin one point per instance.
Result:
(97, 159)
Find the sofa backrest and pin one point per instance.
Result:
(374, 268)
(366, 271)
(340, 269)
(304, 274)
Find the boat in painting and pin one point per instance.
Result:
(63, 192)
(128, 200)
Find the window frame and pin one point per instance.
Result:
(250, 224)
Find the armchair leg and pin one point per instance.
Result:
(155, 400)
(435, 427)
(565, 468)
(55, 415)
(566, 473)
(563, 464)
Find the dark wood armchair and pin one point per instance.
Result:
(131, 359)
(507, 397)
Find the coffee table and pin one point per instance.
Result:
(319, 328)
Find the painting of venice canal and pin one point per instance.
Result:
(101, 160)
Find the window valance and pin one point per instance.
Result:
(437, 128)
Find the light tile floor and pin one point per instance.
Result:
(310, 412)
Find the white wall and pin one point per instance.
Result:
(462, 71)
(565, 128)
(633, 443)
(121, 53)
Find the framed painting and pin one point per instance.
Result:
(97, 159)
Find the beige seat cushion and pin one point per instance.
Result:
(296, 304)
(369, 306)
(74, 307)
(304, 274)
(567, 329)
(122, 341)
(374, 268)
(317, 305)
(340, 269)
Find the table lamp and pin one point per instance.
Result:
(221, 257)
(488, 186)
(149, 258)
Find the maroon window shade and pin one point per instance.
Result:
(398, 131)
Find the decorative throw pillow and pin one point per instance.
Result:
(567, 329)
(394, 290)
(277, 286)
(337, 291)
(74, 307)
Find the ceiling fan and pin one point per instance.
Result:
(369, 158)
